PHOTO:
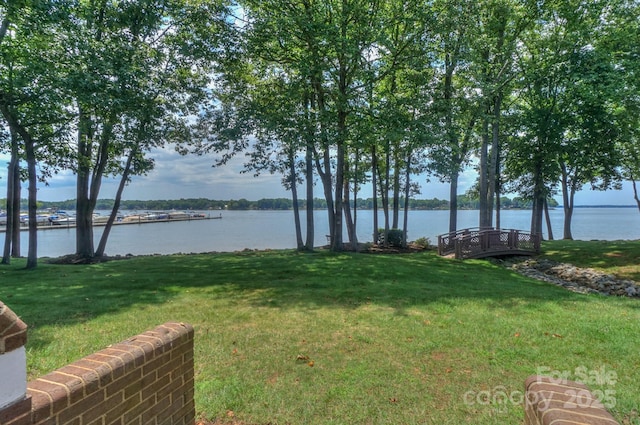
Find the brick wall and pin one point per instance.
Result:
(562, 402)
(13, 331)
(15, 404)
(147, 379)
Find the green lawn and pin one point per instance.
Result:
(289, 338)
(621, 258)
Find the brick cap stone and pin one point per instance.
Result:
(550, 401)
(13, 331)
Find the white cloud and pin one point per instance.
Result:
(191, 176)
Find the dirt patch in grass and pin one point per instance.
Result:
(78, 259)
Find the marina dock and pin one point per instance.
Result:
(138, 220)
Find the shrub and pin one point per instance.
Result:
(422, 242)
(394, 235)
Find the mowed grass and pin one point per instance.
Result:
(620, 258)
(290, 338)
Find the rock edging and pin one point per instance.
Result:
(576, 279)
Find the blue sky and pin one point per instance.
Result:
(176, 177)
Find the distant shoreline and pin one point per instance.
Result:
(601, 206)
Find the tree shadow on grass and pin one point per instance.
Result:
(55, 294)
(351, 280)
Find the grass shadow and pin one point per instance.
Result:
(62, 294)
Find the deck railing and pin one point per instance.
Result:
(477, 243)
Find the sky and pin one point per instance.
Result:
(176, 177)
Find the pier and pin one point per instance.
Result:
(138, 220)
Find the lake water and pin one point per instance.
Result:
(238, 230)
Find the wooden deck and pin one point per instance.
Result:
(481, 243)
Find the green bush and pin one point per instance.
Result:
(394, 235)
(422, 242)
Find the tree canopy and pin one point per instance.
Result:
(541, 96)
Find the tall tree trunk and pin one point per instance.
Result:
(17, 198)
(355, 195)
(498, 206)
(548, 219)
(450, 65)
(337, 242)
(309, 185)
(568, 195)
(453, 201)
(374, 185)
(485, 218)
(102, 244)
(539, 196)
(384, 194)
(493, 159)
(635, 192)
(324, 171)
(296, 207)
(29, 146)
(324, 167)
(407, 194)
(346, 205)
(497, 187)
(32, 256)
(396, 186)
(84, 230)
(11, 225)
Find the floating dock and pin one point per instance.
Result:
(140, 220)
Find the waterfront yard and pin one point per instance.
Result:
(289, 338)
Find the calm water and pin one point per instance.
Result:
(238, 230)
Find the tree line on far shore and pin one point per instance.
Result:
(335, 96)
(465, 202)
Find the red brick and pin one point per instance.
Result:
(137, 411)
(134, 351)
(41, 407)
(135, 421)
(155, 387)
(159, 346)
(155, 409)
(118, 412)
(101, 409)
(183, 372)
(74, 385)
(15, 410)
(154, 365)
(58, 395)
(102, 369)
(24, 419)
(133, 388)
(124, 382)
(98, 421)
(562, 402)
(82, 406)
(90, 378)
(7, 319)
(185, 415)
(169, 389)
(168, 367)
(14, 340)
(113, 363)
